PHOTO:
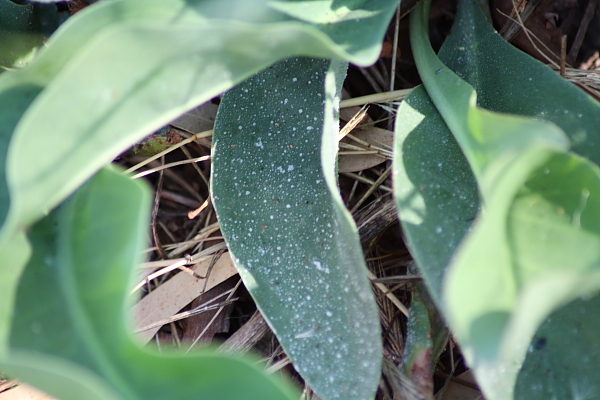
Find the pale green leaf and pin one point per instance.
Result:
(532, 248)
(70, 315)
(121, 69)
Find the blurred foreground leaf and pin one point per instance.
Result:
(69, 335)
(121, 69)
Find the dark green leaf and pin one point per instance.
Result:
(562, 357)
(275, 191)
(15, 36)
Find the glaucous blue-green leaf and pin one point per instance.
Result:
(510, 81)
(275, 191)
(562, 357)
(70, 312)
(534, 244)
(14, 247)
(120, 69)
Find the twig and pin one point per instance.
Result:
(585, 23)
(563, 55)
(374, 187)
(395, 50)
(194, 214)
(157, 195)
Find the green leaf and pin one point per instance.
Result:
(417, 359)
(15, 17)
(562, 358)
(530, 250)
(119, 70)
(64, 379)
(14, 247)
(15, 32)
(297, 249)
(435, 190)
(70, 311)
(123, 77)
(510, 81)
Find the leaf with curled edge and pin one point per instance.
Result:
(69, 334)
(275, 190)
(532, 247)
(123, 69)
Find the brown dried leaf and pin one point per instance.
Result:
(458, 391)
(378, 137)
(199, 119)
(176, 293)
(24, 392)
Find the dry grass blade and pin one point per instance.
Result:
(205, 233)
(388, 293)
(171, 296)
(170, 149)
(170, 165)
(190, 259)
(179, 244)
(366, 180)
(229, 297)
(530, 36)
(521, 10)
(589, 80)
(185, 314)
(404, 279)
(247, 336)
(375, 98)
(278, 365)
(372, 189)
(402, 386)
(178, 198)
(353, 123)
(395, 49)
(195, 166)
